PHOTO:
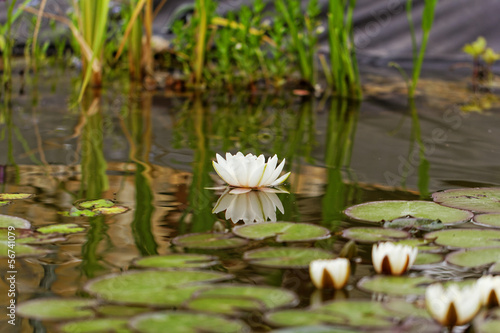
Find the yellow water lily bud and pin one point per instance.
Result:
(476, 48)
(389, 258)
(490, 56)
(330, 273)
(452, 306)
(489, 290)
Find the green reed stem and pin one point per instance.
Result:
(135, 44)
(201, 39)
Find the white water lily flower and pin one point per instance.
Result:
(393, 259)
(330, 273)
(489, 290)
(452, 306)
(249, 206)
(249, 170)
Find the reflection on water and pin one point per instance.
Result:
(153, 154)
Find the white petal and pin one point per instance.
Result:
(256, 175)
(280, 180)
(268, 171)
(316, 269)
(225, 175)
(240, 190)
(223, 203)
(276, 173)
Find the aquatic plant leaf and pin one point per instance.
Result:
(475, 257)
(224, 305)
(186, 322)
(314, 329)
(177, 260)
(111, 210)
(14, 221)
(381, 211)
(209, 241)
(156, 288)
(112, 310)
(479, 200)
(412, 223)
(75, 212)
(487, 321)
(92, 204)
(465, 238)
(395, 285)
(302, 317)
(373, 234)
(487, 220)
(269, 297)
(114, 325)
(57, 308)
(424, 245)
(406, 309)
(5, 203)
(66, 228)
(20, 250)
(495, 268)
(283, 231)
(15, 196)
(286, 257)
(425, 259)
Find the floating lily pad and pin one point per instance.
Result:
(424, 245)
(111, 210)
(224, 305)
(487, 321)
(161, 288)
(495, 268)
(414, 223)
(209, 241)
(20, 250)
(186, 322)
(5, 203)
(267, 297)
(479, 200)
(487, 220)
(283, 231)
(465, 238)
(314, 329)
(406, 309)
(66, 228)
(112, 310)
(115, 325)
(286, 257)
(395, 285)
(373, 234)
(425, 259)
(381, 211)
(302, 317)
(474, 257)
(38, 239)
(57, 308)
(15, 196)
(91, 204)
(75, 212)
(13, 221)
(182, 260)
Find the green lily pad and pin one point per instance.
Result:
(92, 204)
(479, 200)
(186, 322)
(381, 211)
(66, 228)
(111, 210)
(5, 203)
(224, 305)
(406, 309)
(495, 269)
(13, 221)
(20, 250)
(395, 285)
(487, 321)
(476, 257)
(15, 196)
(487, 220)
(57, 308)
(26, 236)
(373, 234)
(302, 317)
(425, 259)
(114, 325)
(424, 245)
(267, 297)
(465, 238)
(182, 260)
(283, 231)
(314, 329)
(112, 310)
(286, 257)
(155, 288)
(75, 212)
(413, 223)
(209, 241)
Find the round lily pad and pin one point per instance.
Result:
(406, 309)
(302, 317)
(381, 211)
(155, 288)
(395, 285)
(414, 223)
(91, 204)
(286, 257)
(283, 231)
(476, 257)
(487, 321)
(57, 308)
(465, 238)
(314, 329)
(111, 210)
(66, 228)
(13, 221)
(373, 234)
(479, 200)
(224, 305)
(186, 322)
(112, 310)
(75, 212)
(181, 260)
(424, 245)
(8, 249)
(425, 259)
(97, 325)
(268, 297)
(487, 220)
(209, 241)
(15, 196)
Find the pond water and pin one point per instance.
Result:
(153, 152)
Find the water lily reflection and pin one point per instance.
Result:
(249, 205)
